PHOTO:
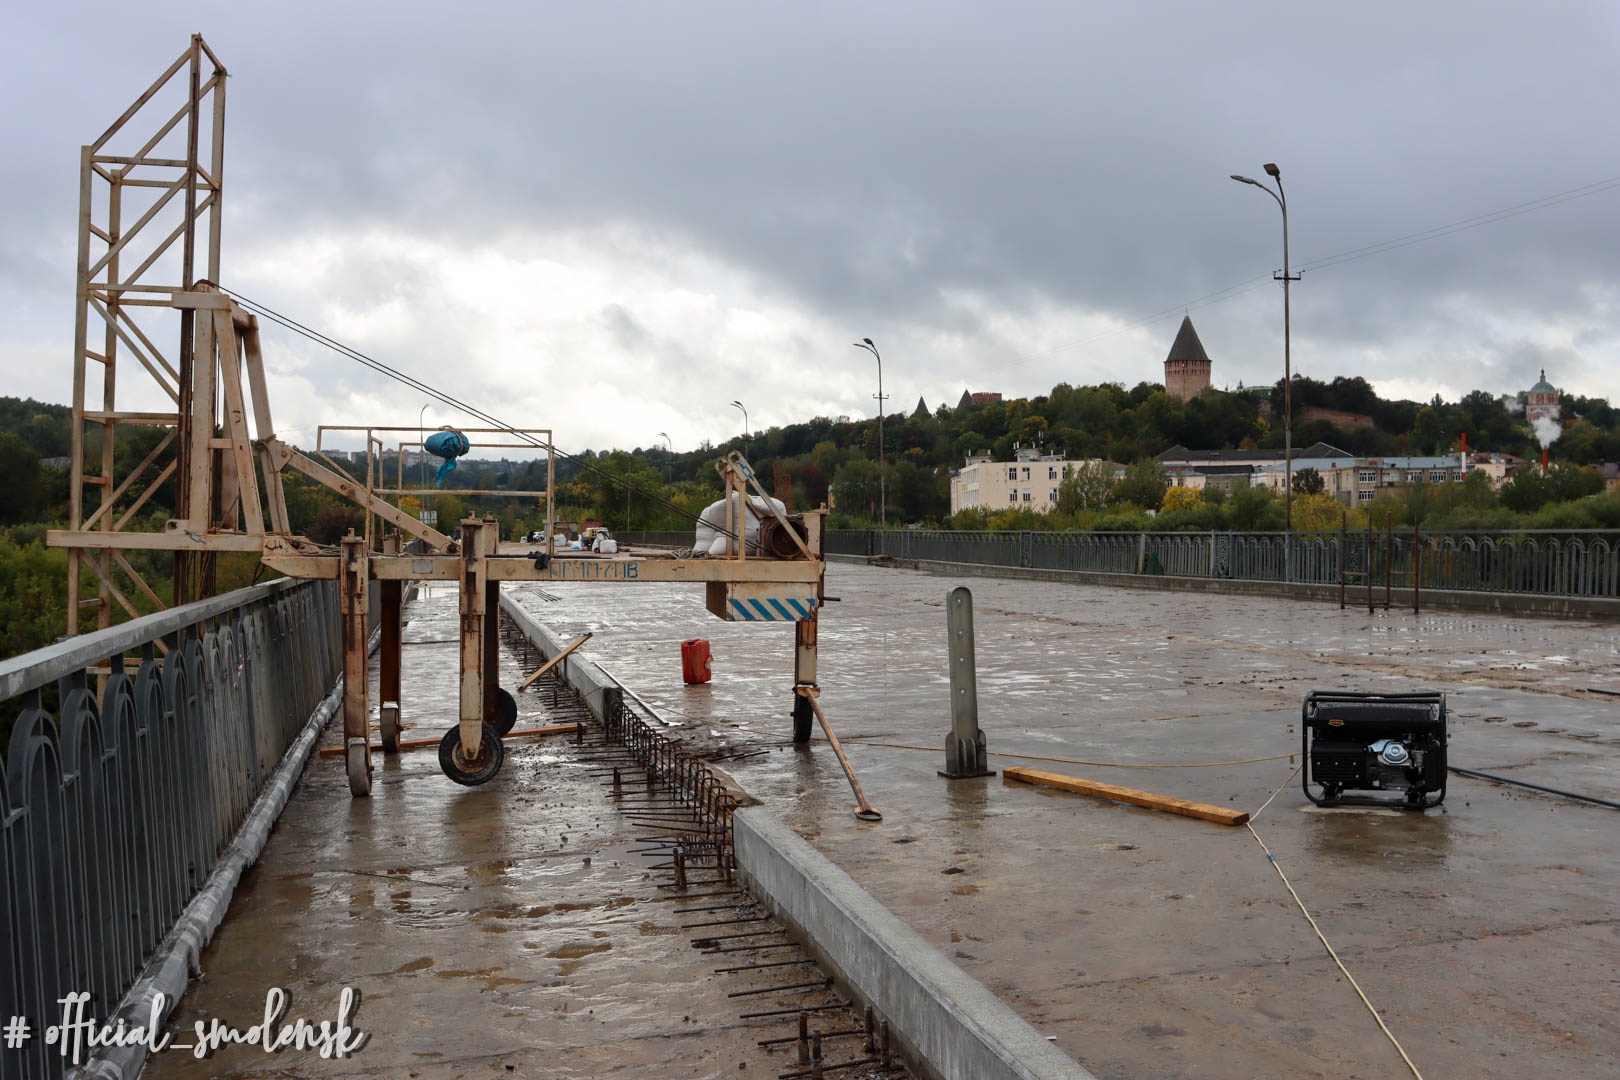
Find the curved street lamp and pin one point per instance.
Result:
(421, 435)
(739, 405)
(670, 450)
(883, 488)
(1288, 367)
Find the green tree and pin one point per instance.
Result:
(1308, 482)
(1255, 509)
(1086, 488)
(33, 592)
(22, 488)
(1143, 484)
(855, 489)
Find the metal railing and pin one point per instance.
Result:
(1568, 562)
(115, 807)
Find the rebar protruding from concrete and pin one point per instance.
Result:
(618, 784)
(815, 1057)
(883, 1044)
(870, 1045)
(804, 1038)
(965, 745)
(680, 868)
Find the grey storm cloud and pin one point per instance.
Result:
(1001, 194)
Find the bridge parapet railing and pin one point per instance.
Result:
(1567, 562)
(115, 805)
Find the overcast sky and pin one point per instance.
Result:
(613, 219)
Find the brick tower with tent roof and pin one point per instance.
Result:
(1186, 369)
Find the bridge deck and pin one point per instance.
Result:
(1485, 932)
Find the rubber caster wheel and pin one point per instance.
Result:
(471, 771)
(505, 710)
(804, 718)
(388, 718)
(357, 756)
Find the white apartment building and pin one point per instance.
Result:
(1029, 481)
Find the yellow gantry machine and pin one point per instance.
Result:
(149, 254)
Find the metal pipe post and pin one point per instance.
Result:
(965, 745)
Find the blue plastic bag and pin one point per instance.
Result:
(448, 445)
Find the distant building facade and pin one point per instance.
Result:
(1354, 481)
(1028, 482)
(1186, 369)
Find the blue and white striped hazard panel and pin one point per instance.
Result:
(786, 609)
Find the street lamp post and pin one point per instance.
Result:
(883, 487)
(739, 405)
(669, 449)
(421, 455)
(1288, 366)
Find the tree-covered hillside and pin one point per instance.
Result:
(835, 460)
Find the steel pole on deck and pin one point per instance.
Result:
(965, 745)
(804, 639)
(1417, 568)
(390, 647)
(473, 602)
(1369, 562)
(1344, 525)
(355, 571)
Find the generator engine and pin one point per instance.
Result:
(1393, 744)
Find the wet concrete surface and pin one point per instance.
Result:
(1485, 931)
(519, 929)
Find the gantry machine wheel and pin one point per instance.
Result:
(471, 771)
(388, 720)
(357, 756)
(505, 711)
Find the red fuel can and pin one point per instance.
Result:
(695, 661)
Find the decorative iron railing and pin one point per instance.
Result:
(115, 806)
(1547, 562)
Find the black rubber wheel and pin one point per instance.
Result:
(804, 718)
(505, 718)
(471, 772)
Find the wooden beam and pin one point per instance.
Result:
(554, 661)
(1203, 811)
(236, 423)
(175, 539)
(349, 489)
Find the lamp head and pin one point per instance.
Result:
(1272, 171)
(1245, 180)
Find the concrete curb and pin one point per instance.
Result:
(942, 1016)
(1536, 605)
(943, 1019)
(577, 671)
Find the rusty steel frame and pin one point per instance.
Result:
(171, 174)
(223, 451)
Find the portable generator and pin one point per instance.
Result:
(1389, 743)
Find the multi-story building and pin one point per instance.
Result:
(1230, 470)
(1029, 481)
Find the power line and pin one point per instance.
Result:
(456, 403)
